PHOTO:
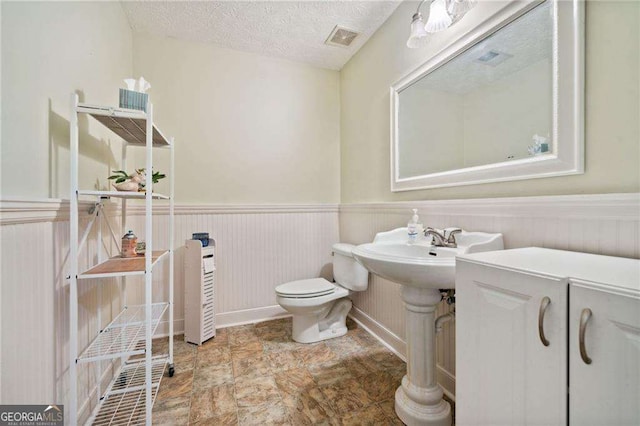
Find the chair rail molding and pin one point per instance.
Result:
(625, 206)
(31, 210)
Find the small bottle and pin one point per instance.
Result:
(414, 227)
(129, 245)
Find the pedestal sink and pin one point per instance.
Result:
(422, 269)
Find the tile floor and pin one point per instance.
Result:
(257, 375)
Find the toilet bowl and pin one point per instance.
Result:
(319, 307)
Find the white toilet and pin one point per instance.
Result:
(319, 307)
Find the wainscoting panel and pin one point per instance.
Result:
(604, 224)
(257, 248)
(35, 306)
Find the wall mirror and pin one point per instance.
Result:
(505, 102)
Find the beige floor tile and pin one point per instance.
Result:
(273, 334)
(344, 346)
(388, 407)
(257, 375)
(213, 355)
(220, 339)
(279, 340)
(251, 367)
(210, 376)
(266, 414)
(256, 391)
(365, 339)
(251, 349)
(329, 372)
(243, 337)
(177, 386)
(308, 407)
(240, 329)
(180, 347)
(284, 360)
(229, 419)
(383, 360)
(317, 353)
(213, 402)
(171, 418)
(355, 365)
(276, 323)
(294, 381)
(184, 362)
(372, 415)
(347, 396)
(379, 386)
(172, 404)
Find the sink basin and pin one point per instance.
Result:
(420, 264)
(422, 269)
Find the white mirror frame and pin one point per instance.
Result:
(567, 156)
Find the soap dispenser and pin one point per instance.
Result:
(414, 227)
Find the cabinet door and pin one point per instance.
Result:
(505, 375)
(606, 391)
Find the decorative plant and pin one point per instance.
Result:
(139, 176)
(155, 177)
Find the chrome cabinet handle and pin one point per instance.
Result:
(584, 319)
(544, 304)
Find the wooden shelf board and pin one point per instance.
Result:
(122, 194)
(130, 125)
(117, 265)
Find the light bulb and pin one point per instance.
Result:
(439, 18)
(418, 35)
(458, 8)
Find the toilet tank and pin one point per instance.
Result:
(346, 271)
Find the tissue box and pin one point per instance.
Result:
(133, 100)
(202, 236)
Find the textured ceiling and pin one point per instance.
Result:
(294, 30)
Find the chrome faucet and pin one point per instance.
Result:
(444, 238)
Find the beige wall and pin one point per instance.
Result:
(249, 129)
(612, 108)
(49, 50)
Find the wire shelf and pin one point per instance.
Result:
(125, 335)
(132, 375)
(125, 402)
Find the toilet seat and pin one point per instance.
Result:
(302, 289)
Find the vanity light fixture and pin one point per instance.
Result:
(442, 14)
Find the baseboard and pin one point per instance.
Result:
(228, 319)
(248, 316)
(399, 347)
(163, 328)
(380, 332)
(447, 381)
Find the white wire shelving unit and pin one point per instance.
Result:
(128, 399)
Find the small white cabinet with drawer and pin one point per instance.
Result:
(199, 291)
(547, 337)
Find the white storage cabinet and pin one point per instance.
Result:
(199, 292)
(521, 356)
(129, 397)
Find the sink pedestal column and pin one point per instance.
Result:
(419, 398)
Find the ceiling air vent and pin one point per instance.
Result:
(493, 58)
(341, 37)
